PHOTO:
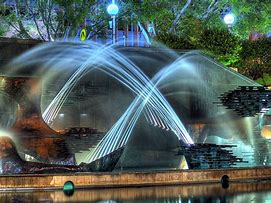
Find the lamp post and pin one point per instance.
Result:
(229, 19)
(113, 10)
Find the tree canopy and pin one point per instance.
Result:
(180, 24)
(50, 19)
(176, 16)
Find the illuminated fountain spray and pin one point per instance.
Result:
(86, 58)
(191, 81)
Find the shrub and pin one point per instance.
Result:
(255, 58)
(175, 41)
(222, 45)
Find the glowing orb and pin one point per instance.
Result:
(229, 18)
(112, 9)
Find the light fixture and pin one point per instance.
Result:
(229, 18)
(112, 9)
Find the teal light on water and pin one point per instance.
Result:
(68, 188)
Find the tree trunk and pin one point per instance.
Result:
(211, 8)
(145, 32)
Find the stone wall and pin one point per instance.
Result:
(137, 194)
(104, 180)
(10, 48)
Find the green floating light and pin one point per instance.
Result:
(68, 188)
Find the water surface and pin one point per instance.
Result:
(258, 192)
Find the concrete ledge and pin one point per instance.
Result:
(20, 41)
(129, 179)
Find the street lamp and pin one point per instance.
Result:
(229, 19)
(113, 10)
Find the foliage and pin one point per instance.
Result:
(252, 58)
(159, 11)
(191, 29)
(251, 16)
(3, 25)
(222, 44)
(178, 24)
(256, 59)
(82, 13)
(54, 18)
(51, 19)
(2, 30)
(175, 41)
(165, 13)
(264, 80)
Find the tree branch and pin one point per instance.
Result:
(43, 10)
(179, 15)
(210, 9)
(35, 20)
(145, 32)
(20, 23)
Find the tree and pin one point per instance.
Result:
(256, 59)
(165, 14)
(83, 13)
(52, 19)
(251, 16)
(3, 25)
(222, 45)
(174, 16)
(31, 19)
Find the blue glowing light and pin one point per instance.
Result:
(112, 9)
(229, 18)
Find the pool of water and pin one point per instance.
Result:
(236, 192)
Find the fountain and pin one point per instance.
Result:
(151, 104)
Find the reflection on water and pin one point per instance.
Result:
(245, 192)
